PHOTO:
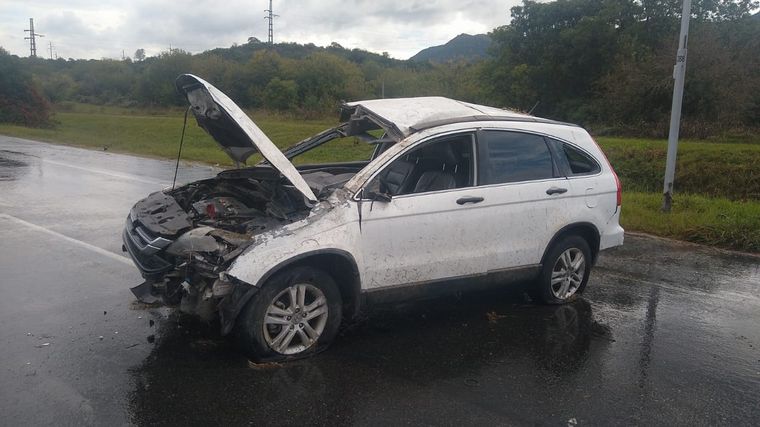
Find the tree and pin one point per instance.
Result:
(139, 54)
(155, 85)
(555, 52)
(329, 79)
(610, 61)
(20, 100)
(280, 94)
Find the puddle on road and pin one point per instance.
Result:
(460, 342)
(608, 357)
(11, 168)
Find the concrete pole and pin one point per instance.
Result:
(679, 74)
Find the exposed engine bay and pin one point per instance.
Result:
(183, 240)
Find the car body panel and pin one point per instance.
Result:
(332, 224)
(421, 237)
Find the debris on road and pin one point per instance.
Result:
(264, 366)
(494, 317)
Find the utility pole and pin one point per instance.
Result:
(32, 39)
(270, 17)
(50, 49)
(679, 74)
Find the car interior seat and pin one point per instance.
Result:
(397, 179)
(444, 163)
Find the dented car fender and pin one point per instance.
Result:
(333, 226)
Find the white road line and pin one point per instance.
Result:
(109, 173)
(80, 243)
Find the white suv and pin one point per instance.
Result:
(454, 196)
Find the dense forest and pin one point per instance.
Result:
(606, 64)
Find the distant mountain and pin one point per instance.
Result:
(462, 47)
(243, 52)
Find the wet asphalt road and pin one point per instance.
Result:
(666, 333)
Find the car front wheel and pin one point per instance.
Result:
(296, 313)
(565, 271)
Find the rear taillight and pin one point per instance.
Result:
(617, 180)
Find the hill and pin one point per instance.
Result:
(462, 47)
(243, 52)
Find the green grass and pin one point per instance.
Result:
(717, 198)
(710, 167)
(158, 135)
(708, 220)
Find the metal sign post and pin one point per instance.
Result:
(679, 74)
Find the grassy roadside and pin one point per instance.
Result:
(694, 218)
(154, 135)
(714, 168)
(718, 182)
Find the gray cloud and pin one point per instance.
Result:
(95, 29)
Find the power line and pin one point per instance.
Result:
(32, 39)
(270, 17)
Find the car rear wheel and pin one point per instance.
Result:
(565, 272)
(296, 313)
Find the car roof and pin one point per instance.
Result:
(401, 117)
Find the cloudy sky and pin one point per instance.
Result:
(98, 29)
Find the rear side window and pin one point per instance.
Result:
(512, 157)
(579, 163)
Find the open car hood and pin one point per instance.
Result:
(234, 131)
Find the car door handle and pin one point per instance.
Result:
(469, 199)
(556, 190)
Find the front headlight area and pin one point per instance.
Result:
(197, 282)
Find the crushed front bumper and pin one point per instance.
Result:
(144, 249)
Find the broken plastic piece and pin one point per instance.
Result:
(144, 292)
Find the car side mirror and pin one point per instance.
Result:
(379, 197)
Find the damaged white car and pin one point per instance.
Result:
(455, 196)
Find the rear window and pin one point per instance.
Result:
(512, 157)
(579, 163)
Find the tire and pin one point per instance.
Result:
(567, 281)
(272, 326)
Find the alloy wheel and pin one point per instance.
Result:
(295, 319)
(567, 274)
